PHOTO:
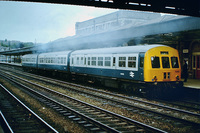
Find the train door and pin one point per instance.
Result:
(141, 66)
(196, 65)
(114, 61)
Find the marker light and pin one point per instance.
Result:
(177, 78)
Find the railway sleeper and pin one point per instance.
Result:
(121, 123)
(71, 116)
(95, 129)
(63, 111)
(101, 115)
(88, 125)
(76, 119)
(82, 122)
(95, 113)
(66, 114)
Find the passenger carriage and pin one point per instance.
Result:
(29, 61)
(55, 61)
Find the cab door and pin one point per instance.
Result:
(141, 66)
(198, 66)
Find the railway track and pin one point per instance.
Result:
(194, 107)
(91, 117)
(18, 117)
(129, 104)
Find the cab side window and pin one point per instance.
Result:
(155, 62)
(174, 62)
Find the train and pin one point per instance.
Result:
(153, 65)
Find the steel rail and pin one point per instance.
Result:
(5, 124)
(29, 110)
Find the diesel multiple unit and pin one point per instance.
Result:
(112, 66)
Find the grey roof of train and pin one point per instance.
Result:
(118, 50)
(55, 53)
(112, 50)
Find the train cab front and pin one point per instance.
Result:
(162, 66)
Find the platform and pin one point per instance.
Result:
(192, 83)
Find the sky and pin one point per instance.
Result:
(42, 22)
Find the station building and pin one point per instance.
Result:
(114, 21)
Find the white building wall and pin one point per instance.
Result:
(113, 21)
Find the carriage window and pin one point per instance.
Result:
(77, 61)
(93, 61)
(107, 61)
(100, 61)
(155, 62)
(85, 61)
(165, 62)
(81, 61)
(88, 61)
(72, 60)
(58, 60)
(54, 60)
(174, 61)
(113, 61)
(132, 62)
(122, 61)
(51, 59)
(64, 60)
(141, 61)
